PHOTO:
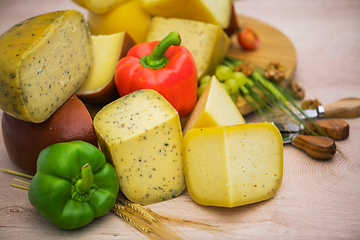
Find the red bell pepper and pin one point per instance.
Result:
(164, 66)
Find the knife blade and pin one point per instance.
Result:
(317, 147)
(336, 129)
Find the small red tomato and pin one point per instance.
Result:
(248, 39)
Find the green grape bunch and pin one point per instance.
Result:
(232, 81)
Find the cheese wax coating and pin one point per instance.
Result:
(141, 136)
(233, 165)
(43, 60)
(207, 43)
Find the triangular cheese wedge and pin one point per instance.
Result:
(214, 108)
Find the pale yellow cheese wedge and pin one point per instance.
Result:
(211, 11)
(99, 6)
(99, 87)
(214, 108)
(207, 43)
(43, 60)
(233, 165)
(141, 136)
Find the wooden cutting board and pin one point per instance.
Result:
(274, 47)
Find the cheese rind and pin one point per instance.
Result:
(141, 136)
(233, 165)
(210, 11)
(214, 108)
(207, 43)
(43, 60)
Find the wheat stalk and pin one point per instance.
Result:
(133, 221)
(16, 173)
(140, 218)
(144, 218)
(139, 209)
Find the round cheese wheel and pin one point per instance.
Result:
(24, 140)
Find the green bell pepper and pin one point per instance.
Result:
(73, 184)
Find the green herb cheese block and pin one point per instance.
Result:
(43, 60)
(207, 43)
(141, 136)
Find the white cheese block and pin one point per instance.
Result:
(214, 108)
(43, 60)
(233, 165)
(141, 136)
(207, 43)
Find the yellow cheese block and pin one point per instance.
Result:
(99, 6)
(127, 17)
(211, 11)
(141, 136)
(214, 108)
(233, 165)
(207, 43)
(43, 60)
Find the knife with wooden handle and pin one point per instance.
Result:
(344, 108)
(317, 147)
(336, 129)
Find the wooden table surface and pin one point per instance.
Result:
(317, 200)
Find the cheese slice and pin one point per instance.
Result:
(43, 60)
(99, 88)
(207, 43)
(233, 165)
(211, 11)
(214, 108)
(107, 49)
(141, 136)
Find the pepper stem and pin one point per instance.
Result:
(157, 58)
(85, 183)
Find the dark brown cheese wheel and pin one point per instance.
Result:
(24, 140)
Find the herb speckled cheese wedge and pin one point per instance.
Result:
(233, 165)
(141, 136)
(43, 60)
(207, 43)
